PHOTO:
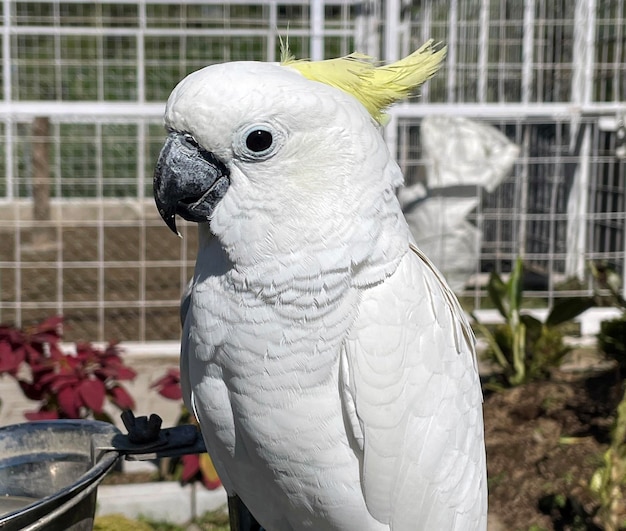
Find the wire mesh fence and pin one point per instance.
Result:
(529, 212)
(79, 235)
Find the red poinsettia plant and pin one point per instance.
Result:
(191, 467)
(66, 385)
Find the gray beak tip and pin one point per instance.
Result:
(170, 221)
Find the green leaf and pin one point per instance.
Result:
(567, 309)
(103, 416)
(519, 354)
(498, 293)
(534, 325)
(515, 284)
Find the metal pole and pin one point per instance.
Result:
(523, 195)
(271, 34)
(141, 52)
(582, 84)
(426, 28)
(392, 25)
(41, 175)
(7, 86)
(366, 28)
(451, 61)
(527, 50)
(483, 51)
(317, 30)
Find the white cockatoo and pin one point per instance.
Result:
(332, 371)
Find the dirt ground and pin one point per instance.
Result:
(544, 442)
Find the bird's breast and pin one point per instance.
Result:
(265, 382)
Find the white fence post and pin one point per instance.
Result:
(582, 84)
(317, 30)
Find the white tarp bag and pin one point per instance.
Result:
(462, 158)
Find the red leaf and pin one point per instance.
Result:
(56, 353)
(10, 359)
(58, 381)
(171, 391)
(14, 335)
(113, 349)
(211, 483)
(191, 467)
(116, 373)
(199, 466)
(46, 377)
(68, 402)
(126, 373)
(84, 353)
(32, 391)
(41, 367)
(41, 415)
(92, 393)
(52, 323)
(32, 354)
(169, 385)
(104, 374)
(172, 375)
(121, 398)
(48, 331)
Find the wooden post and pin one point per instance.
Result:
(43, 234)
(41, 168)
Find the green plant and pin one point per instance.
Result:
(66, 385)
(612, 339)
(610, 282)
(608, 483)
(524, 347)
(214, 520)
(119, 522)
(209, 521)
(609, 480)
(612, 335)
(566, 512)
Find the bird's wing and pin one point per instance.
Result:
(412, 400)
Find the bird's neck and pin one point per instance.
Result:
(309, 273)
(306, 279)
(281, 309)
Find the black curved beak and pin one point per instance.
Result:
(188, 181)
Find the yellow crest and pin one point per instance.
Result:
(375, 86)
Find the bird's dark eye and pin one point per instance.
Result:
(259, 140)
(190, 141)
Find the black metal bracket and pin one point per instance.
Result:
(146, 440)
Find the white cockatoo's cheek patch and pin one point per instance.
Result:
(188, 180)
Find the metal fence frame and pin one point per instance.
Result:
(592, 219)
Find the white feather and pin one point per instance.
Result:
(421, 420)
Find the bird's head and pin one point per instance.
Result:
(269, 154)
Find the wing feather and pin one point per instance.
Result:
(412, 375)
